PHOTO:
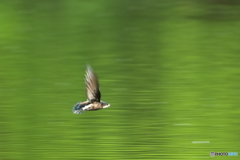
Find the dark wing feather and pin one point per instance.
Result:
(92, 86)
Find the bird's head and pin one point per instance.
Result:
(105, 104)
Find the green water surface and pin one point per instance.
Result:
(169, 69)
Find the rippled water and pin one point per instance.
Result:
(170, 71)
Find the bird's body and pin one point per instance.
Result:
(93, 93)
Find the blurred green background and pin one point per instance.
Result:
(169, 69)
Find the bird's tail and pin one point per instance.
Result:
(77, 109)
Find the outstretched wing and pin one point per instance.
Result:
(92, 86)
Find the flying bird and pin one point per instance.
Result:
(93, 94)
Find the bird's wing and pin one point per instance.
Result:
(92, 86)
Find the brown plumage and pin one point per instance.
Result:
(93, 94)
(92, 85)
